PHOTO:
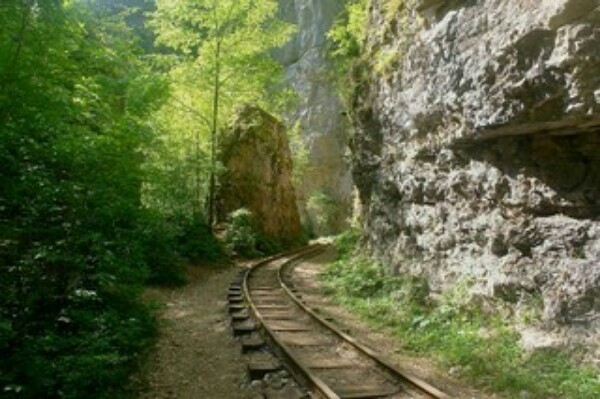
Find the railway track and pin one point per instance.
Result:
(330, 363)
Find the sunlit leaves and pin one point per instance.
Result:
(221, 48)
(349, 30)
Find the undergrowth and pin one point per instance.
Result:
(482, 347)
(244, 238)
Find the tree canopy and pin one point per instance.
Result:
(220, 59)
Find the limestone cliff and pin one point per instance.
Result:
(477, 148)
(258, 175)
(322, 126)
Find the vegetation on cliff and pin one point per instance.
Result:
(351, 37)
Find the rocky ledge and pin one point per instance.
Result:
(476, 150)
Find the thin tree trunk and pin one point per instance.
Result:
(214, 130)
(197, 170)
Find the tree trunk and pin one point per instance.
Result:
(213, 136)
(198, 191)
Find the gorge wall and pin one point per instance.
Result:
(477, 149)
(318, 116)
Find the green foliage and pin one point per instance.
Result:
(485, 348)
(392, 7)
(89, 353)
(103, 168)
(401, 22)
(348, 35)
(300, 155)
(196, 243)
(361, 279)
(241, 237)
(269, 246)
(349, 30)
(324, 211)
(163, 255)
(77, 241)
(220, 58)
(347, 242)
(354, 61)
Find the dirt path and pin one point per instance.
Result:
(196, 355)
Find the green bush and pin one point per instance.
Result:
(241, 237)
(359, 278)
(197, 242)
(347, 37)
(268, 246)
(349, 30)
(347, 242)
(324, 212)
(89, 353)
(162, 255)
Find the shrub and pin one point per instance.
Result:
(197, 242)
(267, 246)
(347, 242)
(75, 241)
(160, 251)
(241, 237)
(323, 211)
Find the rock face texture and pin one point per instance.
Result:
(477, 152)
(258, 175)
(322, 127)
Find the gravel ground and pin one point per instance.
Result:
(196, 355)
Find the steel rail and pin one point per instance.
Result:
(402, 374)
(298, 365)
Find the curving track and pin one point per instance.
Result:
(328, 361)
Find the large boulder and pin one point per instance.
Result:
(258, 175)
(476, 151)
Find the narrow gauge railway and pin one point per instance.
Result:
(330, 363)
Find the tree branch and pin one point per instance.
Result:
(185, 107)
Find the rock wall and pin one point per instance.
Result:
(258, 175)
(477, 152)
(323, 128)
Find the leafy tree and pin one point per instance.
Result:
(74, 234)
(349, 30)
(221, 59)
(348, 35)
